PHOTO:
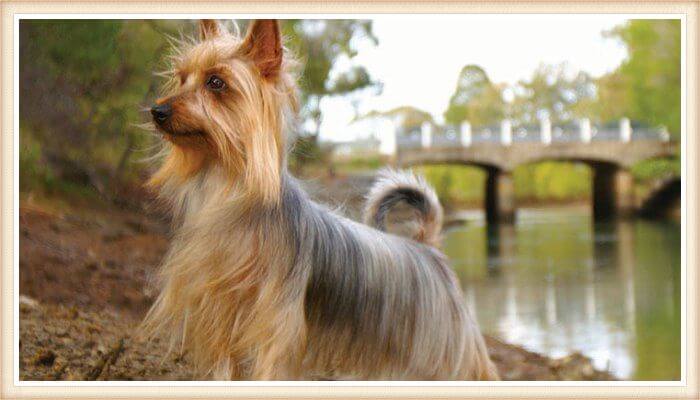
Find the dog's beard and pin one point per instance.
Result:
(168, 130)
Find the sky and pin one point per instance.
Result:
(418, 58)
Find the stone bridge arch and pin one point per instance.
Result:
(613, 183)
(663, 198)
(499, 191)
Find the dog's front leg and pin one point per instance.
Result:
(281, 345)
(281, 356)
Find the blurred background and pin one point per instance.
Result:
(547, 261)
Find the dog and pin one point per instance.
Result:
(262, 283)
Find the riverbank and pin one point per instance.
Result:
(84, 286)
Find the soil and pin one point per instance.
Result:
(85, 276)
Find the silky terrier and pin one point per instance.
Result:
(261, 282)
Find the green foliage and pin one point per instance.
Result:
(550, 93)
(475, 99)
(552, 181)
(656, 168)
(645, 88)
(35, 175)
(547, 181)
(321, 43)
(649, 81)
(612, 98)
(455, 185)
(82, 85)
(33, 172)
(361, 164)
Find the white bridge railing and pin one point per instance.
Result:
(505, 134)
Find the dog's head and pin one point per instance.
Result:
(226, 105)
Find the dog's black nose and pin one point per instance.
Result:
(161, 113)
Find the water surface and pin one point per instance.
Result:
(556, 283)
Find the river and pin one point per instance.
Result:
(556, 283)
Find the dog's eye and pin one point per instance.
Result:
(215, 83)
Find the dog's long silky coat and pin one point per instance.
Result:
(260, 282)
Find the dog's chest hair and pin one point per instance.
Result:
(195, 195)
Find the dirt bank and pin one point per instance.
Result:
(84, 276)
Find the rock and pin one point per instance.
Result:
(91, 265)
(575, 366)
(28, 301)
(73, 313)
(44, 357)
(61, 332)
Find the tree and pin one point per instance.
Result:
(550, 93)
(475, 99)
(321, 44)
(81, 85)
(405, 117)
(648, 83)
(612, 99)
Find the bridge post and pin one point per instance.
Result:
(625, 130)
(426, 130)
(613, 192)
(500, 197)
(585, 129)
(546, 130)
(499, 245)
(388, 143)
(665, 136)
(506, 133)
(465, 134)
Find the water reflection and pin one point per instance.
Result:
(556, 283)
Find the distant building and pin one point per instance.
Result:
(375, 136)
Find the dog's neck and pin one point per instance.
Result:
(210, 191)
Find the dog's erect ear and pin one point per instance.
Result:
(209, 29)
(263, 45)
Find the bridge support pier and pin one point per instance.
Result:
(613, 192)
(500, 197)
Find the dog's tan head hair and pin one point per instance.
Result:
(227, 105)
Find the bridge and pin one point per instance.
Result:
(663, 199)
(609, 150)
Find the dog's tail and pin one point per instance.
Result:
(402, 203)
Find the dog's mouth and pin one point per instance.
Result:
(169, 132)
